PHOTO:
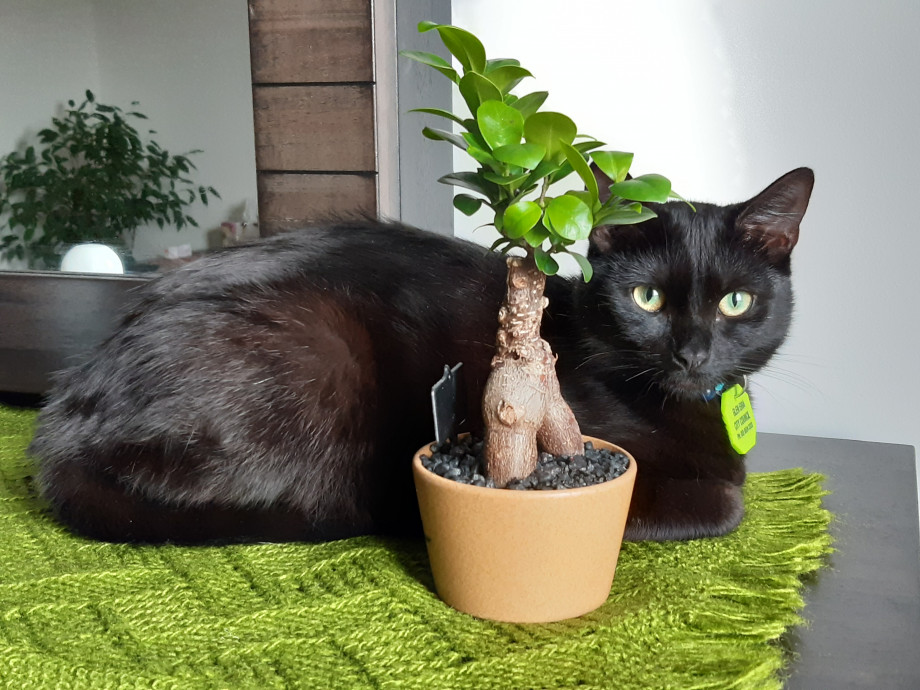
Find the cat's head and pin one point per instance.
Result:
(692, 299)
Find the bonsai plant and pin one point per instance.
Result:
(521, 152)
(92, 179)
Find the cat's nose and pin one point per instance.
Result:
(691, 357)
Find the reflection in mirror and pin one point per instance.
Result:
(185, 63)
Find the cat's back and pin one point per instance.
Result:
(364, 258)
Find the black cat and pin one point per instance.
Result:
(277, 391)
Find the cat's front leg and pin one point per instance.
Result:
(677, 509)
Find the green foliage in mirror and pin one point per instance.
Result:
(92, 178)
(522, 151)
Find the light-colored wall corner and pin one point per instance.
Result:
(409, 164)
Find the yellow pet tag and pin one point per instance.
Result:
(738, 416)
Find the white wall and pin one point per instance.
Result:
(186, 62)
(736, 94)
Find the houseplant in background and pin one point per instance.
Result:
(521, 152)
(92, 178)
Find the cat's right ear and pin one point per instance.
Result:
(770, 221)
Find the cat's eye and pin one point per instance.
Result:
(736, 303)
(649, 298)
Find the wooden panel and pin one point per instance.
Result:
(310, 40)
(52, 321)
(322, 128)
(289, 202)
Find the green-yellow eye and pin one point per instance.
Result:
(736, 303)
(648, 298)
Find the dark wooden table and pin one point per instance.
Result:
(51, 320)
(864, 609)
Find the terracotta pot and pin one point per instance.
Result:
(523, 556)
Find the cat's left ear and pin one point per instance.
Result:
(770, 221)
(603, 182)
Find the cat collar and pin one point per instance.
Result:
(711, 394)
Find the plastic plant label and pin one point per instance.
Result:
(447, 404)
(738, 416)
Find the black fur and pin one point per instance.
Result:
(277, 391)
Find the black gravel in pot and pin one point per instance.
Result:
(463, 462)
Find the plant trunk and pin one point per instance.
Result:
(522, 406)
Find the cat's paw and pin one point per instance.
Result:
(683, 509)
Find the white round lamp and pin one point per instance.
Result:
(92, 258)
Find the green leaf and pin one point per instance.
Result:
(441, 113)
(675, 195)
(492, 65)
(587, 270)
(473, 138)
(645, 188)
(476, 89)
(570, 217)
(578, 163)
(537, 236)
(513, 181)
(472, 181)
(545, 262)
(466, 204)
(481, 156)
(530, 103)
(624, 215)
(614, 164)
(519, 218)
(586, 146)
(500, 124)
(522, 155)
(548, 129)
(499, 242)
(544, 169)
(589, 199)
(441, 135)
(507, 77)
(89, 96)
(464, 46)
(432, 60)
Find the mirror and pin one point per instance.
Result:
(185, 62)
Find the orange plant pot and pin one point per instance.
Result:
(523, 556)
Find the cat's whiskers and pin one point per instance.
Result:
(618, 353)
(778, 373)
(790, 379)
(642, 373)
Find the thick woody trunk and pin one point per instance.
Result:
(522, 406)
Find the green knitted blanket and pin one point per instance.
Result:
(361, 613)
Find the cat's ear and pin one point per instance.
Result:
(608, 239)
(601, 239)
(770, 221)
(603, 183)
